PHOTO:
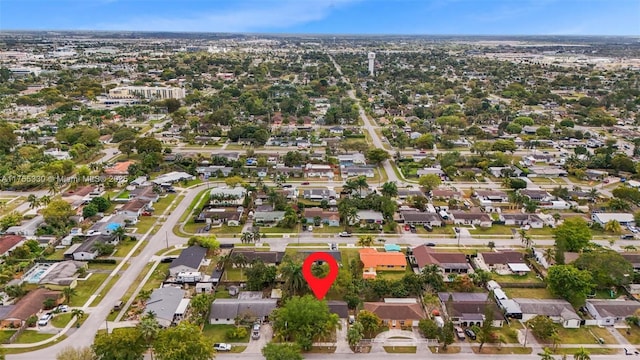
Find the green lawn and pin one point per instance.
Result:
(163, 203)
(217, 333)
(144, 224)
(325, 229)
(5, 335)
(493, 230)
(509, 332)
(61, 320)
(124, 248)
(400, 349)
(585, 335)
(504, 350)
(106, 289)
(592, 351)
(109, 267)
(10, 351)
(533, 293)
(234, 275)
(86, 288)
(529, 278)
(57, 255)
(223, 229)
(278, 230)
(158, 276)
(32, 336)
(633, 336)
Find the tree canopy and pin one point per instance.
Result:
(573, 235)
(570, 283)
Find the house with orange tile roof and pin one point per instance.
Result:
(119, 168)
(375, 261)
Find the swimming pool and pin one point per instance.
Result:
(36, 273)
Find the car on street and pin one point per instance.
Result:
(305, 183)
(222, 347)
(429, 244)
(344, 234)
(44, 319)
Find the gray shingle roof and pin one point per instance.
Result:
(191, 257)
(164, 302)
(230, 308)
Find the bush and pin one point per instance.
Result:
(102, 261)
(32, 320)
(236, 333)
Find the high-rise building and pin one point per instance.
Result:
(372, 62)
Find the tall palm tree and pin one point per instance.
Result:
(68, 292)
(350, 186)
(549, 254)
(53, 187)
(525, 238)
(350, 215)
(365, 241)
(119, 232)
(45, 200)
(149, 328)
(77, 313)
(246, 237)
(581, 354)
(389, 189)
(613, 227)
(256, 234)
(33, 201)
(291, 272)
(361, 182)
(593, 194)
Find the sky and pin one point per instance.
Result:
(412, 17)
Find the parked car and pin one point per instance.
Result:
(460, 333)
(352, 319)
(256, 327)
(255, 335)
(470, 333)
(63, 308)
(429, 244)
(407, 227)
(305, 183)
(428, 227)
(44, 319)
(345, 234)
(222, 347)
(627, 237)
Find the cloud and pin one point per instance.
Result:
(244, 17)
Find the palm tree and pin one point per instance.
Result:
(33, 201)
(149, 328)
(618, 205)
(361, 182)
(246, 237)
(77, 313)
(256, 234)
(365, 241)
(593, 194)
(119, 232)
(53, 187)
(525, 238)
(581, 354)
(546, 354)
(45, 200)
(549, 254)
(613, 226)
(291, 272)
(350, 186)
(389, 189)
(68, 292)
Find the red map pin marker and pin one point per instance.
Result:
(320, 287)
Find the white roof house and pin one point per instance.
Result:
(622, 218)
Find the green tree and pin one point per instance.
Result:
(147, 145)
(149, 329)
(581, 354)
(291, 275)
(365, 241)
(273, 351)
(429, 328)
(57, 213)
(546, 354)
(570, 283)
(127, 147)
(573, 235)
(542, 327)
(389, 189)
(447, 334)
(89, 210)
(208, 242)
(607, 267)
(485, 333)
(260, 276)
(124, 344)
(101, 203)
(355, 334)
(68, 293)
(183, 342)
(377, 156)
(613, 226)
(429, 181)
(304, 320)
(371, 323)
(8, 139)
(200, 305)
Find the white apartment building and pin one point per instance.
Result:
(147, 92)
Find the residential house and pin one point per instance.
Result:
(27, 306)
(370, 216)
(119, 168)
(536, 194)
(468, 309)
(225, 215)
(329, 218)
(503, 262)
(407, 193)
(134, 208)
(189, 260)
(168, 304)
(611, 312)
(269, 258)
(225, 196)
(214, 171)
(625, 219)
(353, 171)
(61, 275)
(634, 259)
(449, 263)
(336, 255)
(173, 177)
(10, 242)
(319, 170)
(560, 311)
(445, 194)
(348, 160)
(88, 249)
(491, 196)
(397, 313)
(473, 218)
(27, 228)
(319, 194)
(519, 219)
(546, 171)
(375, 261)
(420, 218)
(226, 311)
(268, 217)
(145, 193)
(428, 170)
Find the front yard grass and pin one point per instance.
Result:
(633, 336)
(450, 349)
(400, 349)
(493, 230)
(218, 333)
(86, 288)
(106, 289)
(163, 203)
(321, 350)
(158, 276)
(592, 351)
(5, 335)
(124, 247)
(231, 274)
(144, 224)
(61, 320)
(31, 336)
(278, 230)
(494, 350)
(529, 278)
(585, 335)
